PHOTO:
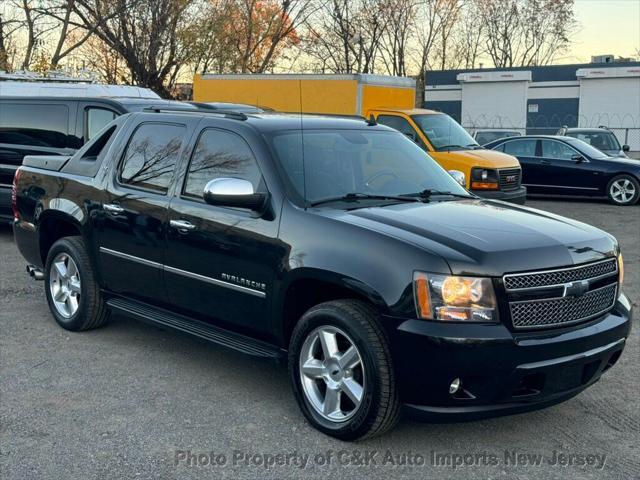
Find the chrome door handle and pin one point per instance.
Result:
(182, 225)
(113, 208)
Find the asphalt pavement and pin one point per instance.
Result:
(131, 401)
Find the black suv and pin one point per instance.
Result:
(335, 244)
(53, 126)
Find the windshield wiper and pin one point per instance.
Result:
(355, 196)
(428, 193)
(446, 147)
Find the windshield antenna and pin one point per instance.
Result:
(372, 121)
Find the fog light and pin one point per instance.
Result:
(455, 386)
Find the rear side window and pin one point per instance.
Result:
(97, 118)
(34, 125)
(220, 154)
(151, 156)
(521, 148)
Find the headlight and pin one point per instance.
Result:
(452, 298)
(484, 179)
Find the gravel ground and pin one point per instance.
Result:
(128, 400)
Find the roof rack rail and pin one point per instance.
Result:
(227, 113)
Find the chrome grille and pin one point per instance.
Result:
(562, 311)
(509, 178)
(560, 276)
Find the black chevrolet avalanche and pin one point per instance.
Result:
(337, 245)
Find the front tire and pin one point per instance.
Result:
(341, 370)
(74, 297)
(623, 190)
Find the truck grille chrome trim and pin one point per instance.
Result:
(509, 179)
(560, 311)
(559, 277)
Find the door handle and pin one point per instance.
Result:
(182, 225)
(112, 208)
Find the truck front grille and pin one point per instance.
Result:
(550, 298)
(561, 276)
(509, 178)
(563, 310)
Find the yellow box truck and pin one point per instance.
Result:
(391, 101)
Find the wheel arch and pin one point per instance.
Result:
(52, 226)
(307, 287)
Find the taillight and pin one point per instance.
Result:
(14, 194)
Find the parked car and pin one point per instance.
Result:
(567, 166)
(342, 248)
(485, 136)
(55, 125)
(601, 138)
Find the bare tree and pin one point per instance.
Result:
(526, 32)
(143, 33)
(344, 36)
(396, 37)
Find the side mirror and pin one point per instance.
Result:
(459, 177)
(579, 158)
(234, 192)
(626, 148)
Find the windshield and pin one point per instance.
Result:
(599, 140)
(588, 149)
(443, 132)
(337, 163)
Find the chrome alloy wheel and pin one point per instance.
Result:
(622, 190)
(332, 373)
(64, 284)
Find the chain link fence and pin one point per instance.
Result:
(625, 135)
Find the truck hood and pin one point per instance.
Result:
(490, 238)
(479, 158)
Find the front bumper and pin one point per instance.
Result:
(518, 195)
(502, 372)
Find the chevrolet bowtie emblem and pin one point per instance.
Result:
(576, 289)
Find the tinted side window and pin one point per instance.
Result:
(220, 154)
(400, 124)
(151, 156)
(97, 118)
(521, 148)
(554, 149)
(34, 125)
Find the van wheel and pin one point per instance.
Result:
(341, 370)
(72, 292)
(623, 190)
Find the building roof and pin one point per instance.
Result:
(547, 73)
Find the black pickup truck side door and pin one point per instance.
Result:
(129, 229)
(221, 262)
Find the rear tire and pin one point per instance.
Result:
(623, 190)
(366, 402)
(73, 295)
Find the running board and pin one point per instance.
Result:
(163, 318)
